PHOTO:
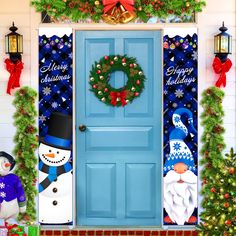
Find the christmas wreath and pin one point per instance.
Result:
(100, 76)
(117, 11)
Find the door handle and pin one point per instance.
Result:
(82, 128)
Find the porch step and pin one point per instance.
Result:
(118, 232)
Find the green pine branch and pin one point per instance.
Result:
(218, 217)
(26, 144)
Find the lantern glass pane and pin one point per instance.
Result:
(224, 47)
(12, 44)
(230, 44)
(6, 44)
(20, 43)
(217, 44)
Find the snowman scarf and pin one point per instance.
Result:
(53, 172)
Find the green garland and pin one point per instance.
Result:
(77, 10)
(26, 144)
(218, 173)
(100, 75)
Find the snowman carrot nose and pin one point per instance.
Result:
(52, 155)
(7, 164)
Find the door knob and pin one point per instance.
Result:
(82, 128)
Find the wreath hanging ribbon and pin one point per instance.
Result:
(100, 76)
(109, 4)
(15, 72)
(222, 69)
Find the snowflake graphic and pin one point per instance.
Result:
(179, 93)
(2, 194)
(195, 55)
(177, 119)
(42, 118)
(47, 91)
(2, 185)
(165, 92)
(54, 105)
(177, 146)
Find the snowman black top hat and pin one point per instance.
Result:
(59, 131)
(9, 158)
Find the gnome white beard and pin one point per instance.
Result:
(180, 199)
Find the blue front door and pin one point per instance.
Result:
(118, 157)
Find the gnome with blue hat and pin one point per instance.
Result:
(180, 181)
(55, 171)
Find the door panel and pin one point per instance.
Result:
(119, 155)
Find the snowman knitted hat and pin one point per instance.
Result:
(9, 158)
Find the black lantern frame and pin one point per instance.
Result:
(14, 44)
(223, 44)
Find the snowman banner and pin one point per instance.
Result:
(180, 127)
(55, 126)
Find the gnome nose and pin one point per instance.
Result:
(51, 155)
(180, 168)
(7, 164)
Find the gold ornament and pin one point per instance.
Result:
(115, 58)
(99, 92)
(135, 65)
(124, 64)
(98, 66)
(112, 17)
(101, 77)
(140, 73)
(126, 16)
(118, 99)
(140, 8)
(91, 79)
(133, 89)
(127, 100)
(103, 99)
(97, 3)
(187, 4)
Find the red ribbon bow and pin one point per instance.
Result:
(109, 4)
(15, 71)
(115, 95)
(222, 69)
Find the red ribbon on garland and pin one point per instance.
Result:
(109, 4)
(115, 95)
(15, 71)
(222, 69)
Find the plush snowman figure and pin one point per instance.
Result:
(55, 172)
(12, 196)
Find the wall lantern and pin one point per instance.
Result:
(222, 47)
(14, 44)
(223, 43)
(14, 65)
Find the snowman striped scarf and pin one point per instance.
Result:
(53, 172)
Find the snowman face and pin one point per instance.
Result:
(52, 156)
(5, 166)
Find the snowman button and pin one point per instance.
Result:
(54, 190)
(54, 203)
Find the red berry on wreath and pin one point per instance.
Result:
(106, 58)
(124, 60)
(226, 204)
(136, 94)
(111, 63)
(106, 90)
(138, 82)
(228, 222)
(231, 170)
(213, 190)
(94, 86)
(131, 65)
(227, 195)
(98, 72)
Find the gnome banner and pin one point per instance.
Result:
(55, 126)
(180, 127)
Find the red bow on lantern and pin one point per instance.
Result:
(109, 4)
(115, 95)
(15, 71)
(222, 69)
